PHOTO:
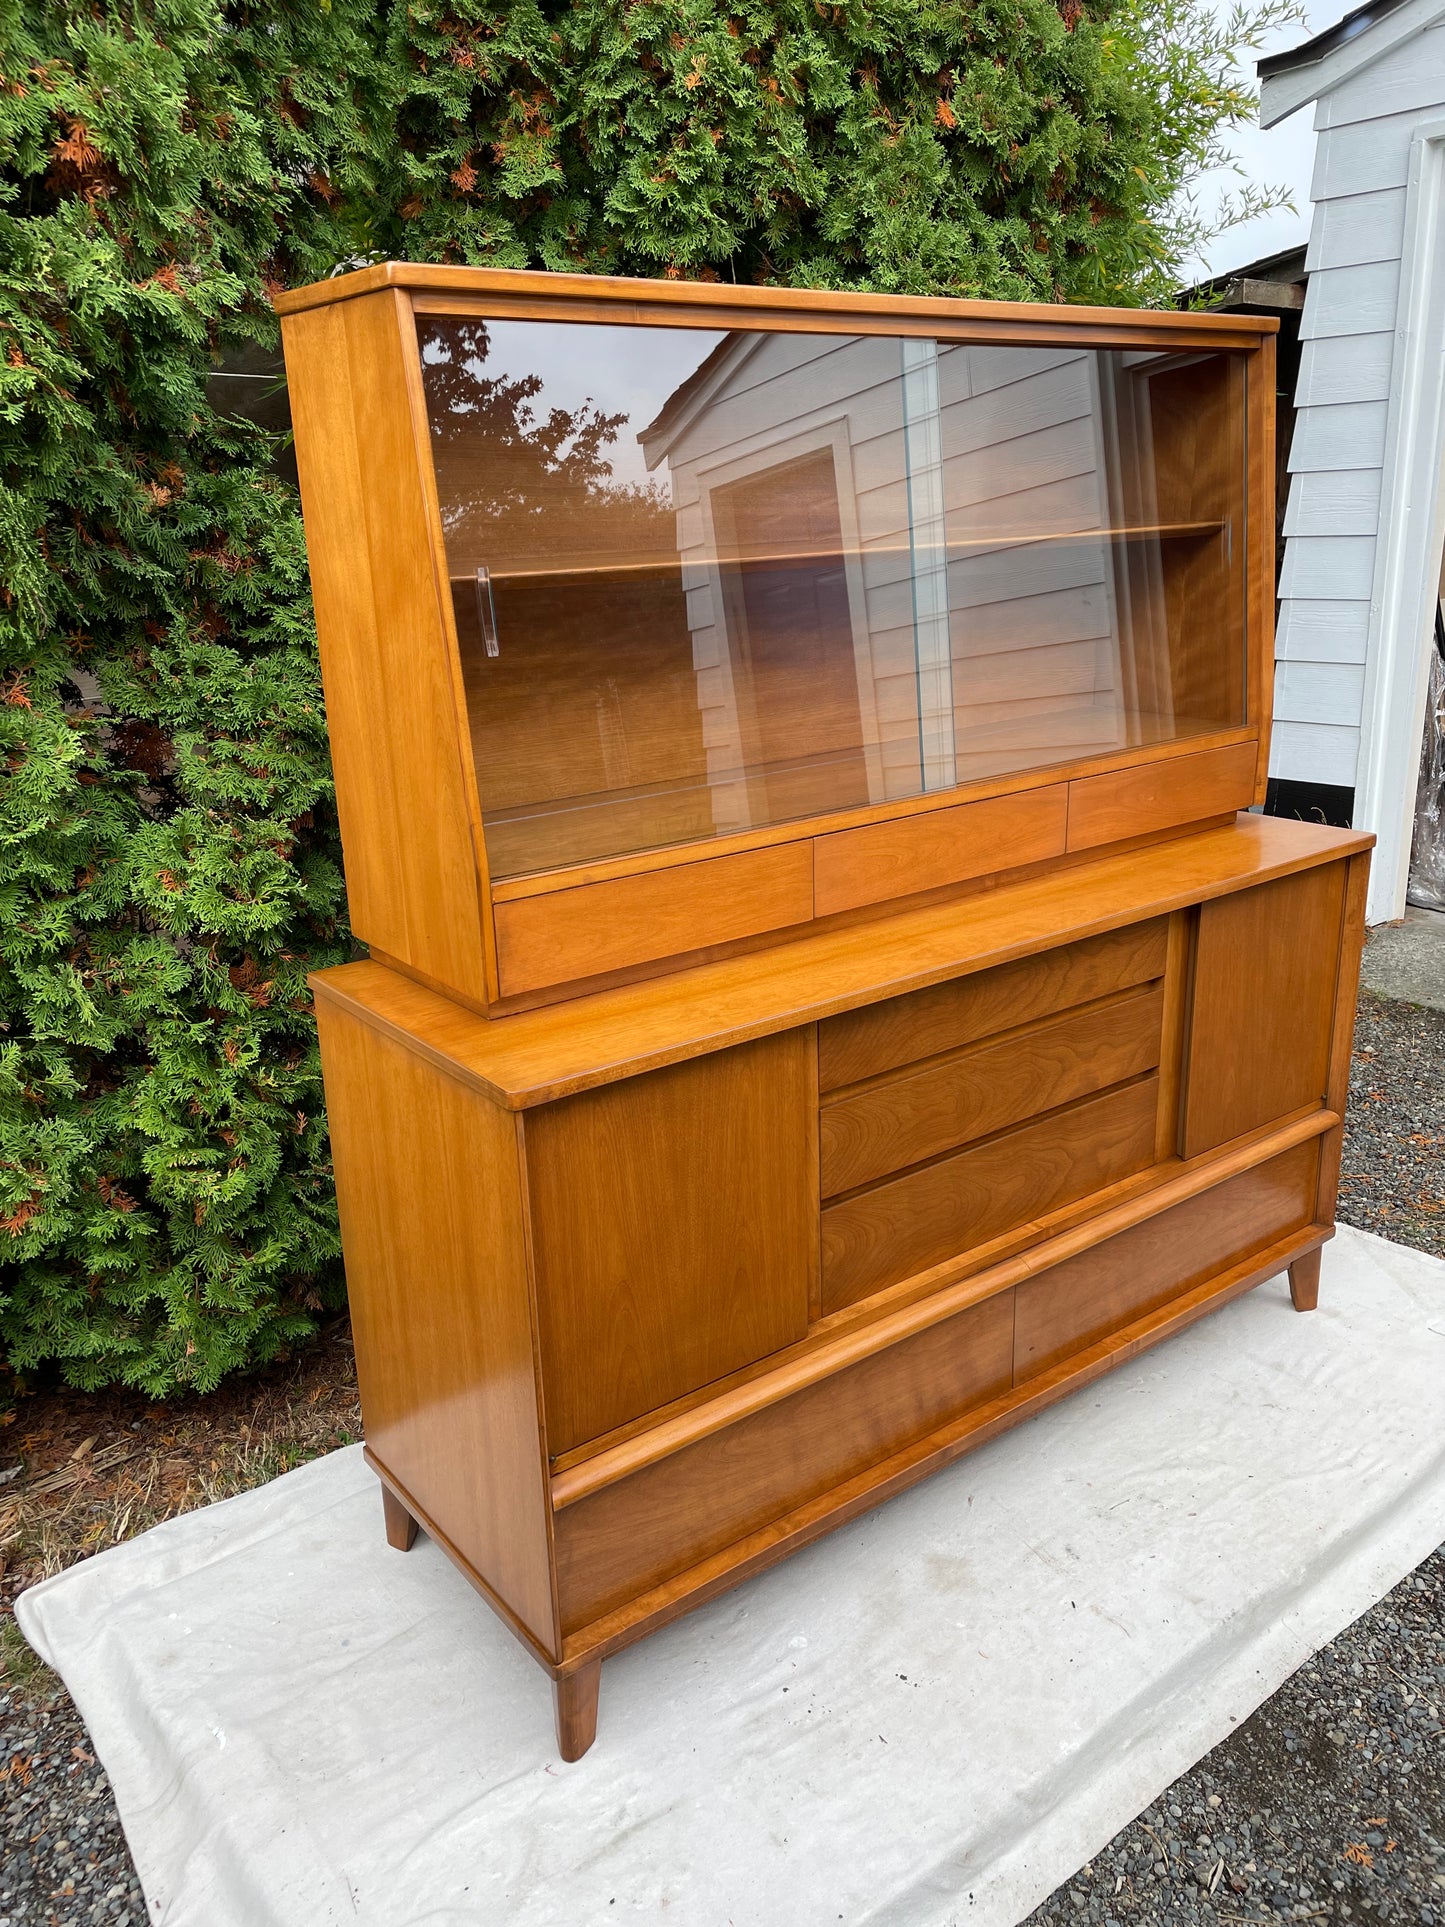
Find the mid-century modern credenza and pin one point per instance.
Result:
(828, 993)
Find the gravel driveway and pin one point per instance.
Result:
(1328, 1804)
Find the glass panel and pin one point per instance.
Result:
(706, 582)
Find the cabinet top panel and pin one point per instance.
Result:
(477, 288)
(536, 1056)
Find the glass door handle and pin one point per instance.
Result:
(487, 612)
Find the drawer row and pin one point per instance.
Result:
(956, 1114)
(616, 1542)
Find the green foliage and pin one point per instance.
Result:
(169, 867)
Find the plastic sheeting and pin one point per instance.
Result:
(1427, 850)
(932, 1717)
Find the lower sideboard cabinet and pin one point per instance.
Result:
(653, 1288)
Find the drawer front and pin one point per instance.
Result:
(633, 1535)
(1160, 796)
(1085, 1299)
(563, 935)
(937, 847)
(885, 1127)
(864, 1043)
(903, 1226)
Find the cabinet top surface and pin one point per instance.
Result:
(538, 1056)
(421, 279)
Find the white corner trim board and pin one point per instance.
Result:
(1412, 529)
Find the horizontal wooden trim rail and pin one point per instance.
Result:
(437, 288)
(764, 1548)
(538, 1055)
(863, 1341)
(675, 856)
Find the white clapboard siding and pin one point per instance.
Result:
(1315, 753)
(1322, 631)
(1357, 228)
(1366, 121)
(1363, 157)
(1342, 435)
(1346, 502)
(1329, 568)
(1314, 692)
(1404, 82)
(1352, 301)
(1355, 368)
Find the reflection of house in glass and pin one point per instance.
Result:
(905, 554)
(829, 571)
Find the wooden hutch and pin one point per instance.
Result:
(823, 1004)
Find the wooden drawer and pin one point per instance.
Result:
(1159, 796)
(884, 1127)
(936, 848)
(905, 1225)
(1079, 1302)
(616, 1543)
(563, 935)
(864, 1043)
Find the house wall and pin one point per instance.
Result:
(1349, 360)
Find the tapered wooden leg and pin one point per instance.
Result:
(1304, 1280)
(400, 1526)
(575, 1700)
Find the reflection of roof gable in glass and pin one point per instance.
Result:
(709, 581)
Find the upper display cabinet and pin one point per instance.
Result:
(658, 618)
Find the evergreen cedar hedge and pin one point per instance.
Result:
(169, 865)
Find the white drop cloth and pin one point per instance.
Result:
(934, 1716)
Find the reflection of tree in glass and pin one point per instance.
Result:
(516, 485)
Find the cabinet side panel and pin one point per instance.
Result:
(1265, 975)
(674, 1226)
(429, 1186)
(411, 872)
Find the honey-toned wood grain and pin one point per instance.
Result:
(978, 790)
(429, 1188)
(537, 1055)
(443, 288)
(636, 1533)
(605, 926)
(1157, 796)
(1342, 1032)
(1266, 971)
(674, 1230)
(1083, 1300)
(924, 852)
(901, 1030)
(411, 873)
(905, 1225)
(1260, 536)
(886, 1126)
(649, 1611)
(859, 1332)
(1177, 973)
(1304, 1280)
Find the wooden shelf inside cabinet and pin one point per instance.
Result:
(825, 1002)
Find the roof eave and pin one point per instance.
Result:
(1289, 81)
